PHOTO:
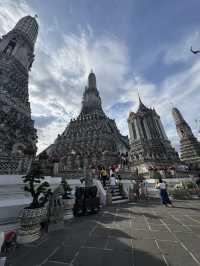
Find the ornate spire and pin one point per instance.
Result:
(92, 81)
(27, 26)
(189, 146)
(91, 100)
(142, 107)
(183, 129)
(178, 118)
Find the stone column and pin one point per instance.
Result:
(139, 128)
(147, 129)
(130, 130)
(136, 129)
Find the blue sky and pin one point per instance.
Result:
(129, 44)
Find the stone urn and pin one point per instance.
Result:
(30, 224)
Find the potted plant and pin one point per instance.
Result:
(31, 216)
(67, 197)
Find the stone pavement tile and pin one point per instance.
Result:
(98, 242)
(146, 245)
(154, 221)
(142, 234)
(191, 242)
(170, 221)
(140, 226)
(105, 232)
(195, 229)
(120, 244)
(51, 263)
(91, 257)
(143, 258)
(158, 227)
(75, 240)
(18, 256)
(179, 228)
(36, 256)
(175, 254)
(64, 254)
(186, 220)
(163, 236)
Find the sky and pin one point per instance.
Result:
(129, 44)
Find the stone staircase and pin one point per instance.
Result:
(117, 197)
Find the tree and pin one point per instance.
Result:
(39, 190)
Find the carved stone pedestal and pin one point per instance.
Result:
(30, 224)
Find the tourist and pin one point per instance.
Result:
(104, 176)
(141, 190)
(163, 193)
(82, 180)
(112, 183)
(119, 181)
(198, 185)
(137, 190)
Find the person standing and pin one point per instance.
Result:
(198, 185)
(112, 182)
(137, 190)
(163, 193)
(141, 190)
(104, 176)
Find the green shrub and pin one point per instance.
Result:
(180, 193)
(39, 190)
(189, 185)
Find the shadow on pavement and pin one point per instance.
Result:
(87, 242)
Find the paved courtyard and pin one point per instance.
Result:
(130, 234)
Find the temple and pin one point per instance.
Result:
(149, 146)
(90, 140)
(17, 133)
(189, 146)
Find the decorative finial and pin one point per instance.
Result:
(36, 16)
(139, 95)
(91, 71)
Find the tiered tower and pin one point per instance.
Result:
(190, 147)
(149, 145)
(91, 139)
(17, 134)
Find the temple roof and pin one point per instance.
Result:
(142, 108)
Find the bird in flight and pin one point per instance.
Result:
(194, 51)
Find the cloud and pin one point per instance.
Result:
(43, 121)
(61, 67)
(180, 51)
(11, 12)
